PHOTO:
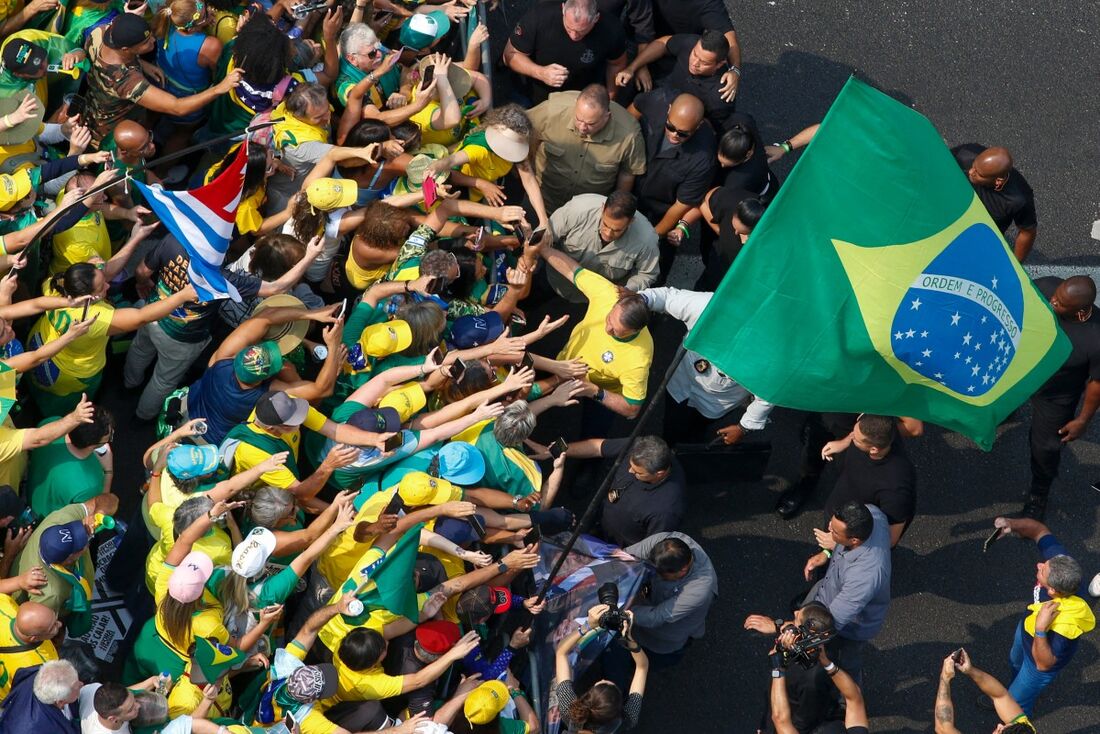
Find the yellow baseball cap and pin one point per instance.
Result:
(486, 702)
(14, 188)
(419, 488)
(407, 400)
(332, 193)
(382, 340)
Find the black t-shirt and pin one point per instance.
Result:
(1083, 363)
(811, 698)
(753, 174)
(640, 509)
(401, 660)
(889, 483)
(541, 35)
(723, 205)
(674, 173)
(1014, 204)
(690, 16)
(717, 110)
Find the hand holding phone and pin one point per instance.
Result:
(429, 75)
(533, 535)
(393, 443)
(430, 194)
(558, 447)
(457, 368)
(396, 504)
(477, 524)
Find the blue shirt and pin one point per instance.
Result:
(1063, 648)
(220, 400)
(856, 588)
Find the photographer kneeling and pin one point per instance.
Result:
(811, 700)
(601, 710)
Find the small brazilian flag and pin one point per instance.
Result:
(386, 582)
(213, 659)
(877, 282)
(8, 377)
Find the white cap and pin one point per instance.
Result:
(251, 554)
(1094, 586)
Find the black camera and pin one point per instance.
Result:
(806, 647)
(613, 620)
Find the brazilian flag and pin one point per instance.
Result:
(877, 282)
(8, 377)
(386, 581)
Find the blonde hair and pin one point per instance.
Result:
(182, 14)
(175, 617)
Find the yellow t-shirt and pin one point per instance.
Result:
(372, 684)
(447, 137)
(613, 364)
(12, 661)
(362, 278)
(247, 456)
(185, 697)
(216, 543)
(205, 623)
(339, 558)
(485, 164)
(13, 459)
(83, 242)
(339, 626)
(81, 359)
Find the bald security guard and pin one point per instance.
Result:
(1003, 190)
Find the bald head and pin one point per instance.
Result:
(991, 168)
(36, 622)
(685, 115)
(1074, 298)
(133, 140)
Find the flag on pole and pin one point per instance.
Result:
(877, 282)
(202, 220)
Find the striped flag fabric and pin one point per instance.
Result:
(202, 220)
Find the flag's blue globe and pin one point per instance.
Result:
(959, 322)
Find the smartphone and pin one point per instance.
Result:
(957, 656)
(84, 314)
(408, 56)
(528, 361)
(394, 442)
(433, 286)
(429, 75)
(430, 195)
(477, 524)
(343, 307)
(716, 442)
(558, 448)
(77, 105)
(991, 539)
(520, 235)
(289, 722)
(442, 351)
(533, 536)
(395, 506)
(537, 235)
(270, 608)
(457, 368)
(479, 240)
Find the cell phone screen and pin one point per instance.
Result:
(558, 448)
(429, 75)
(536, 236)
(395, 505)
(76, 105)
(533, 536)
(527, 361)
(477, 524)
(430, 195)
(479, 238)
(394, 442)
(457, 368)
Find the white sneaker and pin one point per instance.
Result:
(1094, 585)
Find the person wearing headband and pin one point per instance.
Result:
(187, 56)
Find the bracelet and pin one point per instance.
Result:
(600, 395)
(7, 122)
(516, 693)
(786, 146)
(1041, 634)
(735, 69)
(371, 77)
(685, 229)
(828, 553)
(831, 668)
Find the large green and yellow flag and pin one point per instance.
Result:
(877, 282)
(8, 377)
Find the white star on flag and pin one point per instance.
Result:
(994, 283)
(926, 353)
(916, 305)
(955, 319)
(967, 338)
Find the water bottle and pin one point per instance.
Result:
(356, 358)
(162, 682)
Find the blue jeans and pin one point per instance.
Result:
(1028, 680)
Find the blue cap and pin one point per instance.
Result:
(58, 542)
(473, 331)
(188, 462)
(461, 463)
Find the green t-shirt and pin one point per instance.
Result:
(57, 478)
(264, 591)
(351, 75)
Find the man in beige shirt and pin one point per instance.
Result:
(586, 144)
(606, 235)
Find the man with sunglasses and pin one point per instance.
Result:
(681, 156)
(1055, 420)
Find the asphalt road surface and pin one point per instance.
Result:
(1010, 73)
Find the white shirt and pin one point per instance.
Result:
(89, 719)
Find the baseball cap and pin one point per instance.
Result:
(486, 702)
(58, 542)
(258, 362)
(332, 193)
(408, 400)
(251, 554)
(382, 340)
(428, 569)
(437, 636)
(424, 29)
(126, 30)
(25, 58)
(418, 489)
(276, 408)
(188, 579)
(188, 462)
(288, 335)
(14, 188)
(508, 144)
(461, 463)
(312, 683)
(474, 330)
(379, 420)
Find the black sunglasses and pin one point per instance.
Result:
(677, 131)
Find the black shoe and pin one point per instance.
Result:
(1035, 507)
(790, 502)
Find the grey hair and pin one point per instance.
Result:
(651, 453)
(190, 510)
(1064, 574)
(54, 682)
(437, 263)
(515, 424)
(270, 505)
(586, 10)
(152, 708)
(356, 36)
(305, 95)
(511, 116)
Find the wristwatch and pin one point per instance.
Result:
(502, 567)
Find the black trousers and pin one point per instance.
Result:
(1047, 416)
(685, 424)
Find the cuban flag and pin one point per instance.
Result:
(202, 220)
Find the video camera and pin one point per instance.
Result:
(806, 646)
(614, 619)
